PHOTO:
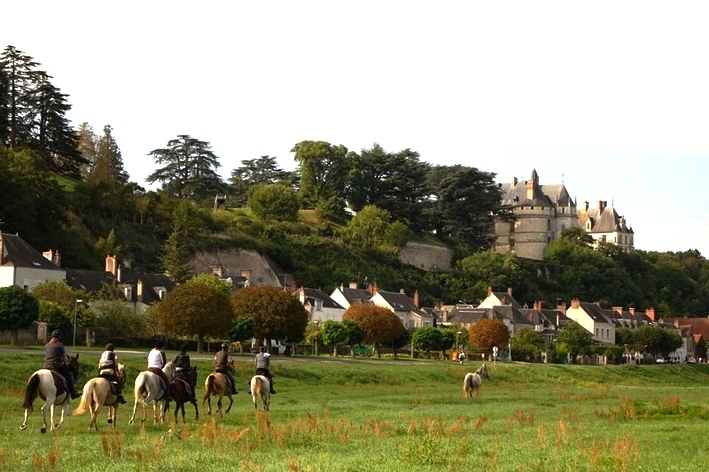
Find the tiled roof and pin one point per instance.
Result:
(18, 253)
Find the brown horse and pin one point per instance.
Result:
(180, 395)
(98, 392)
(47, 385)
(217, 384)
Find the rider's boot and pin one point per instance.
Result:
(120, 398)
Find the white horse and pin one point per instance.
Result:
(97, 393)
(46, 384)
(473, 381)
(261, 387)
(149, 387)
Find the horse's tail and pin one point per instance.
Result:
(257, 388)
(31, 391)
(208, 388)
(467, 384)
(86, 398)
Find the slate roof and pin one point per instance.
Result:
(595, 311)
(398, 301)
(88, 280)
(511, 313)
(466, 314)
(515, 193)
(699, 325)
(153, 284)
(605, 220)
(312, 294)
(354, 295)
(18, 253)
(549, 318)
(507, 299)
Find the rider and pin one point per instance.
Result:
(156, 361)
(108, 368)
(183, 368)
(56, 359)
(223, 363)
(262, 363)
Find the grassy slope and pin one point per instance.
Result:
(391, 415)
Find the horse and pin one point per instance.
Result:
(217, 384)
(473, 381)
(148, 388)
(48, 385)
(261, 387)
(98, 392)
(178, 392)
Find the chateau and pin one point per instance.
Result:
(543, 212)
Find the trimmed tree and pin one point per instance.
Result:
(487, 333)
(195, 309)
(379, 325)
(276, 313)
(18, 309)
(334, 334)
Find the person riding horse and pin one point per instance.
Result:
(156, 362)
(183, 369)
(108, 369)
(56, 359)
(262, 363)
(223, 363)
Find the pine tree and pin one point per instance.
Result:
(108, 164)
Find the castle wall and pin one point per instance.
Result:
(426, 256)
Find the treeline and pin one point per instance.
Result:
(66, 189)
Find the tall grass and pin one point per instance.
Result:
(344, 415)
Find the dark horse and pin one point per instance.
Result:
(179, 392)
(51, 387)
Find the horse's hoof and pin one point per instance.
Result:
(130, 422)
(23, 427)
(109, 421)
(55, 426)
(43, 430)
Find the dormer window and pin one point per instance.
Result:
(128, 293)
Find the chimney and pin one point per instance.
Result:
(561, 307)
(111, 264)
(416, 299)
(631, 310)
(585, 206)
(139, 290)
(676, 323)
(218, 270)
(353, 285)
(375, 289)
(119, 276)
(618, 309)
(530, 189)
(445, 315)
(489, 290)
(2, 250)
(301, 297)
(246, 273)
(575, 303)
(513, 183)
(402, 291)
(601, 205)
(650, 312)
(509, 291)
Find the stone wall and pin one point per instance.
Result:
(426, 256)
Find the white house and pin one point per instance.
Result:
(24, 266)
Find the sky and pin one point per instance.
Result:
(610, 98)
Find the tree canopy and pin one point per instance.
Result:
(276, 313)
(379, 325)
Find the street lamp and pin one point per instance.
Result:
(76, 309)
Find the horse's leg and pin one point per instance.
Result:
(46, 406)
(23, 426)
(231, 402)
(64, 409)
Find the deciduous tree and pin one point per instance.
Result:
(278, 315)
(18, 309)
(379, 325)
(195, 309)
(274, 202)
(334, 334)
(575, 337)
(487, 333)
(323, 171)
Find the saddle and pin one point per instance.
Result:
(59, 379)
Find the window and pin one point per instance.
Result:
(318, 305)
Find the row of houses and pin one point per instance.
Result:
(22, 265)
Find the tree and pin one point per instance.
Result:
(258, 171)
(487, 333)
(527, 344)
(323, 171)
(276, 202)
(56, 316)
(115, 316)
(371, 229)
(175, 257)
(195, 309)
(243, 328)
(108, 162)
(355, 335)
(334, 333)
(60, 293)
(575, 337)
(189, 169)
(212, 280)
(379, 325)
(467, 203)
(18, 309)
(277, 314)
(656, 340)
(428, 339)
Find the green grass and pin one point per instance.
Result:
(358, 415)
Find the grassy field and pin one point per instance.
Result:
(390, 415)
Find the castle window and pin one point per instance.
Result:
(549, 224)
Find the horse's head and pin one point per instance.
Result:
(169, 370)
(483, 372)
(73, 366)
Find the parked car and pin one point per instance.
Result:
(660, 360)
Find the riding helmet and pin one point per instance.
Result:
(225, 345)
(262, 349)
(109, 347)
(56, 333)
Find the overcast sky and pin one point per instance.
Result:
(609, 97)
